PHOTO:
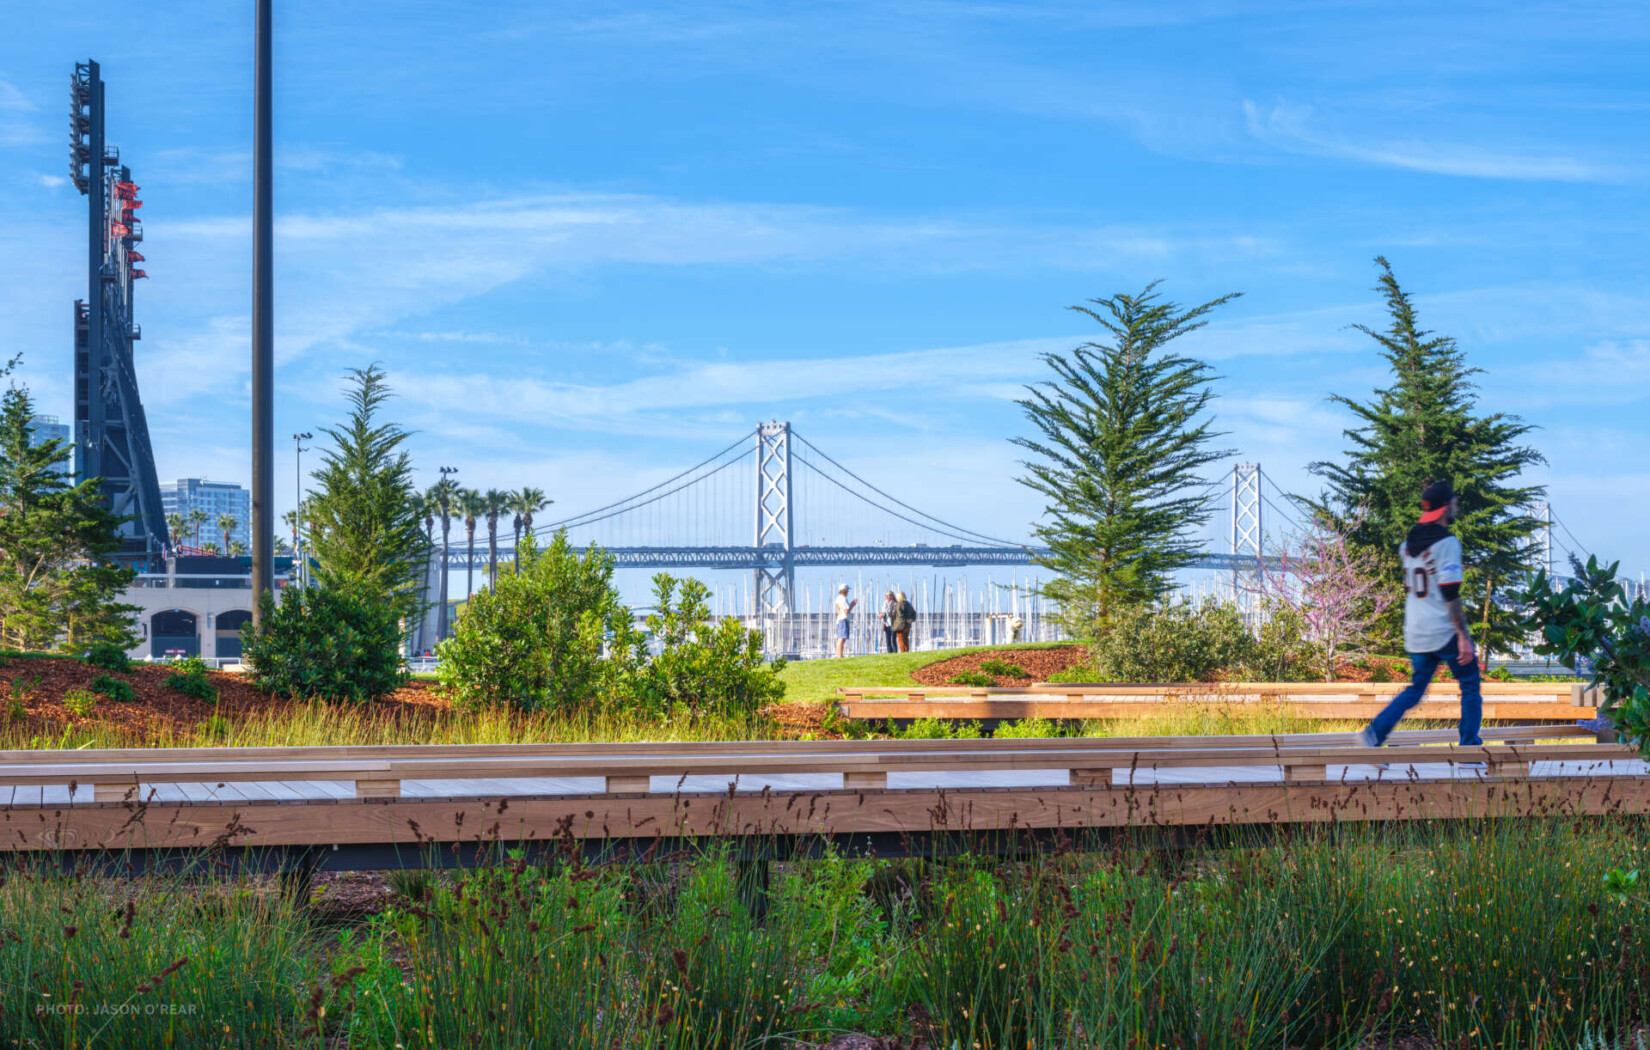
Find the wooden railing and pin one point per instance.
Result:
(1503, 701)
(378, 772)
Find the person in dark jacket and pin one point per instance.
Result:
(889, 607)
(1435, 625)
(905, 617)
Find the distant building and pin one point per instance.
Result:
(47, 428)
(215, 498)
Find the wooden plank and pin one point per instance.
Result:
(635, 784)
(847, 757)
(860, 780)
(380, 787)
(1020, 708)
(858, 810)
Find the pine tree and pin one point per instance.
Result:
(364, 523)
(1426, 427)
(1123, 436)
(57, 587)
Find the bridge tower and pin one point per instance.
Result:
(1544, 514)
(1247, 523)
(775, 535)
(111, 433)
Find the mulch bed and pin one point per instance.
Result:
(157, 710)
(1039, 663)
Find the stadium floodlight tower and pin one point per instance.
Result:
(111, 434)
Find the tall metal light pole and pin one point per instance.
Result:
(445, 493)
(263, 324)
(298, 502)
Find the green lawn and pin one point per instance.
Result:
(816, 681)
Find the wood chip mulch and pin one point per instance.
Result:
(1039, 663)
(157, 711)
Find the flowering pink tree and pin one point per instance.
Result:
(1336, 589)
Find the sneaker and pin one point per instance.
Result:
(1365, 737)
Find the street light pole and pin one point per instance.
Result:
(446, 494)
(263, 322)
(298, 501)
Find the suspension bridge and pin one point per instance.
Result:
(772, 502)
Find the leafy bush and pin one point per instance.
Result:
(1171, 643)
(80, 702)
(974, 678)
(1280, 648)
(1027, 729)
(940, 729)
(554, 636)
(189, 678)
(705, 669)
(109, 656)
(326, 643)
(115, 689)
(1003, 669)
(1594, 630)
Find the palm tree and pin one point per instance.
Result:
(526, 503)
(470, 505)
(443, 493)
(174, 522)
(238, 548)
(210, 548)
(494, 502)
(226, 525)
(197, 518)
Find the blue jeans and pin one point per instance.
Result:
(1422, 666)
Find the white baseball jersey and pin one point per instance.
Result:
(1427, 626)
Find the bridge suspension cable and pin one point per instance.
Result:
(635, 501)
(939, 524)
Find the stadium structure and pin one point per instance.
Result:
(111, 434)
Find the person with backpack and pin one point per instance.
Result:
(889, 639)
(904, 618)
(1435, 624)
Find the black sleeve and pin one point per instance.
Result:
(1452, 591)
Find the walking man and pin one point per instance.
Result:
(889, 606)
(844, 608)
(1435, 625)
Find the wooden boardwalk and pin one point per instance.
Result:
(1354, 701)
(367, 806)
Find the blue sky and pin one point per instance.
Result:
(593, 243)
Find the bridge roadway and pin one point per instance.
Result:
(773, 557)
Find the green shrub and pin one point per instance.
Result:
(326, 643)
(974, 678)
(553, 637)
(701, 668)
(80, 702)
(115, 689)
(940, 729)
(1181, 642)
(1003, 669)
(108, 656)
(1279, 650)
(189, 678)
(1027, 729)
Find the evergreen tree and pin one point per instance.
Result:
(56, 586)
(364, 522)
(1123, 434)
(1425, 427)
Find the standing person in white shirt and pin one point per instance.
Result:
(1435, 625)
(843, 608)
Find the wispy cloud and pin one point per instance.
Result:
(1291, 128)
(13, 99)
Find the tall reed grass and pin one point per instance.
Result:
(1494, 933)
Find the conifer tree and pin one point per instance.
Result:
(1426, 427)
(57, 587)
(1123, 435)
(365, 518)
